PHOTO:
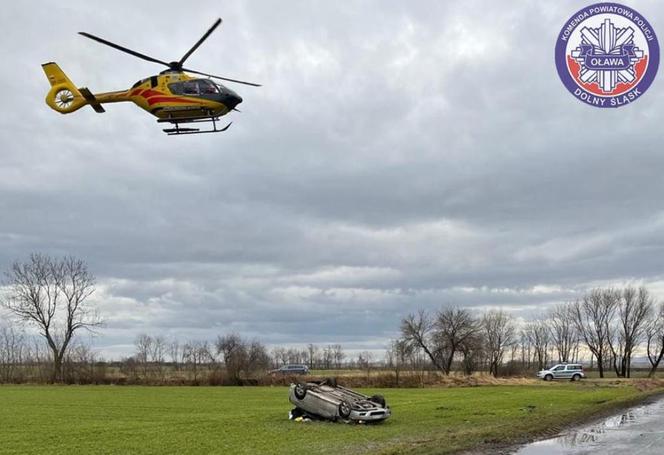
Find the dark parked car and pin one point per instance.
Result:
(291, 369)
(325, 399)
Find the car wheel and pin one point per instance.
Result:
(548, 377)
(332, 382)
(576, 377)
(300, 390)
(344, 409)
(378, 399)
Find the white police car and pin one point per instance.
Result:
(571, 371)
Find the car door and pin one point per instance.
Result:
(559, 372)
(567, 372)
(574, 369)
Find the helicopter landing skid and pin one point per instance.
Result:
(186, 130)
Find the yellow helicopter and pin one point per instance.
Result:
(172, 96)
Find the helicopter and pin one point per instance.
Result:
(173, 96)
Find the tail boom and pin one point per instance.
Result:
(65, 98)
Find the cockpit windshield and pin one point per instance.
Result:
(194, 87)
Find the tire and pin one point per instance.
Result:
(576, 377)
(300, 390)
(344, 409)
(379, 400)
(332, 382)
(548, 377)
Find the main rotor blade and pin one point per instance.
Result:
(123, 49)
(222, 78)
(200, 41)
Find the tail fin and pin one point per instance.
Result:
(63, 97)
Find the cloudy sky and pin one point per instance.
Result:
(400, 155)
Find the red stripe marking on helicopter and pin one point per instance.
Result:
(155, 96)
(170, 99)
(146, 93)
(149, 93)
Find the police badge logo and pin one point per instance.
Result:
(607, 55)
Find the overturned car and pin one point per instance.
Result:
(325, 399)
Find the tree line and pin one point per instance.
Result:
(230, 359)
(604, 328)
(227, 360)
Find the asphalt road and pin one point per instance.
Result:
(636, 431)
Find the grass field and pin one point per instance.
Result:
(253, 420)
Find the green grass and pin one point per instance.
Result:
(253, 420)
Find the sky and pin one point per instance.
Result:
(399, 156)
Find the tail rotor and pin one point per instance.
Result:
(63, 98)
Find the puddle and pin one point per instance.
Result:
(636, 430)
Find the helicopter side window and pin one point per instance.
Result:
(184, 88)
(190, 88)
(175, 88)
(207, 87)
(194, 88)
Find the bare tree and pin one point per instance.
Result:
(453, 326)
(338, 355)
(52, 295)
(243, 357)
(258, 358)
(143, 345)
(564, 336)
(328, 356)
(418, 330)
(472, 350)
(398, 354)
(634, 308)
(234, 353)
(538, 336)
(174, 351)
(195, 354)
(294, 355)
(655, 340)
(499, 334)
(280, 356)
(313, 353)
(157, 354)
(13, 350)
(526, 348)
(452, 331)
(364, 360)
(592, 317)
(80, 361)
